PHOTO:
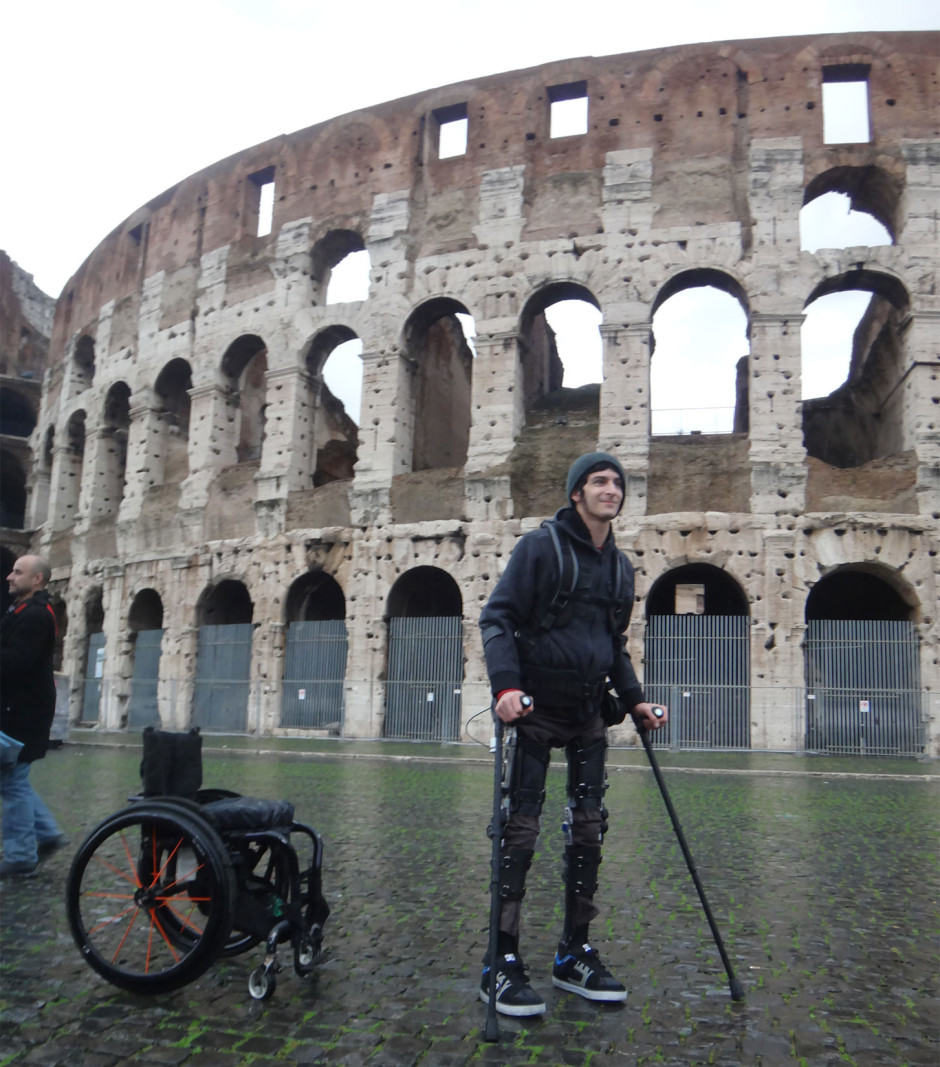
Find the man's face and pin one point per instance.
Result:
(24, 579)
(601, 496)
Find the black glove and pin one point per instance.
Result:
(613, 710)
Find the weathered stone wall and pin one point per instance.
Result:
(693, 170)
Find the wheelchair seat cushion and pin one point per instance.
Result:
(249, 813)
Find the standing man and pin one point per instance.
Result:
(27, 706)
(553, 630)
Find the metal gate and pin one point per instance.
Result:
(314, 673)
(223, 671)
(94, 670)
(425, 675)
(142, 708)
(699, 665)
(863, 687)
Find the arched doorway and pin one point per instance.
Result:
(315, 654)
(145, 622)
(94, 657)
(862, 666)
(425, 657)
(697, 657)
(223, 658)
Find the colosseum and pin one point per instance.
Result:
(236, 547)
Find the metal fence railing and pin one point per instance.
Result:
(850, 722)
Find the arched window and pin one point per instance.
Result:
(861, 363)
(425, 657)
(173, 407)
(849, 206)
(440, 364)
(340, 268)
(94, 657)
(334, 362)
(115, 426)
(698, 370)
(244, 367)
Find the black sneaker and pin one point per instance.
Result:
(578, 969)
(514, 995)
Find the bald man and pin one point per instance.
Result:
(27, 706)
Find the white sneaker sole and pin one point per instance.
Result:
(514, 1009)
(609, 995)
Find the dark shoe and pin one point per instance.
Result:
(514, 995)
(50, 845)
(578, 969)
(16, 869)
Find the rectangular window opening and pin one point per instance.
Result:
(452, 129)
(260, 207)
(846, 118)
(568, 116)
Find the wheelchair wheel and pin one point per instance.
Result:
(149, 897)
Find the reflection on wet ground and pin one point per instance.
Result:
(824, 885)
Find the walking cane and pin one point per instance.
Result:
(737, 991)
(501, 772)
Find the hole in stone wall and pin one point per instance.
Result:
(349, 279)
(568, 109)
(259, 206)
(845, 104)
(452, 127)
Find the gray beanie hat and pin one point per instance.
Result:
(583, 466)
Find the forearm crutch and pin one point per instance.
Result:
(737, 991)
(503, 752)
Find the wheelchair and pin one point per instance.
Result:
(183, 875)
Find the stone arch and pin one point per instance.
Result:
(12, 491)
(83, 362)
(327, 253)
(171, 452)
(145, 637)
(244, 368)
(71, 465)
(112, 460)
(17, 413)
(335, 427)
(697, 656)
(863, 419)
(223, 657)
(439, 373)
(94, 658)
(870, 189)
(424, 677)
(315, 654)
(862, 663)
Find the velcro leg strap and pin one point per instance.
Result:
(581, 865)
(513, 867)
(587, 777)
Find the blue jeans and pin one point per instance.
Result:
(27, 822)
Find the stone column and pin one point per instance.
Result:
(777, 455)
(144, 460)
(211, 441)
(920, 407)
(497, 419)
(385, 435)
(624, 428)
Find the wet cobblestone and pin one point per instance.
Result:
(825, 887)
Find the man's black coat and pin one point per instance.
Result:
(27, 685)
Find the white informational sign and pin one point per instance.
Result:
(301, 694)
(864, 706)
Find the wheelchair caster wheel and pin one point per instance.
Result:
(262, 982)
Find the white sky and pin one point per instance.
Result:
(107, 103)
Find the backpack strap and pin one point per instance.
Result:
(563, 589)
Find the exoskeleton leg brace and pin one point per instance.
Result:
(584, 834)
(526, 795)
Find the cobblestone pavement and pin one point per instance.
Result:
(824, 884)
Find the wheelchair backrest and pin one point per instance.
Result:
(172, 763)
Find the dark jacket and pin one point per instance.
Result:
(27, 685)
(581, 647)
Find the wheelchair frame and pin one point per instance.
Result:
(159, 890)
